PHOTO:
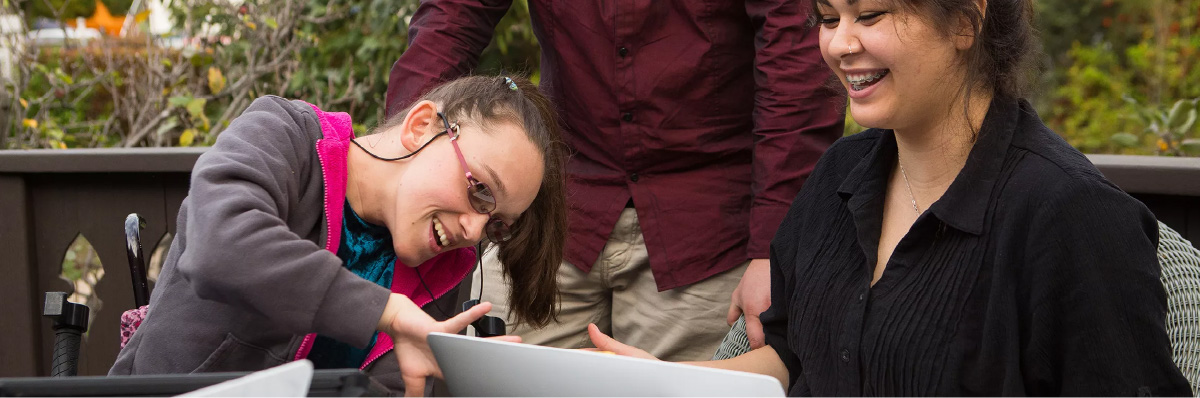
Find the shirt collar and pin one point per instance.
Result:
(965, 203)
(868, 179)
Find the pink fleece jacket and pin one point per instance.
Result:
(441, 273)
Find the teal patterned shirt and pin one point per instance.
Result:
(366, 250)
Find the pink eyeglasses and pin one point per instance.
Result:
(480, 194)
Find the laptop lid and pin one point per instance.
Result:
(288, 380)
(478, 367)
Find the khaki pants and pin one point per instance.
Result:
(619, 295)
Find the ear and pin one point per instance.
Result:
(966, 34)
(421, 124)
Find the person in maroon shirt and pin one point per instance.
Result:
(692, 125)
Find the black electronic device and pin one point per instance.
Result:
(487, 326)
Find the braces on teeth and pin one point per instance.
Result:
(858, 82)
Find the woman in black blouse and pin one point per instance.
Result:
(959, 247)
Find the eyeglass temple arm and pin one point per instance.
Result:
(452, 131)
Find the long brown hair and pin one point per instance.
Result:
(532, 257)
(1005, 44)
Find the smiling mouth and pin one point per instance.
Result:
(440, 232)
(860, 81)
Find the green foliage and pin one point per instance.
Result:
(354, 46)
(1115, 69)
(1140, 59)
(59, 102)
(1170, 128)
(347, 64)
(514, 47)
(118, 7)
(334, 54)
(71, 9)
(1061, 24)
(1088, 107)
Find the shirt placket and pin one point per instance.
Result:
(627, 12)
(850, 340)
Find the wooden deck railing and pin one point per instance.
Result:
(51, 199)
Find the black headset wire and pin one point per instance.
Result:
(479, 264)
(479, 258)
(432, 301)
(413, 153)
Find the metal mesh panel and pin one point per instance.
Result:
(1180, 263)
(735, 343)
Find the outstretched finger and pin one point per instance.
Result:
(599, 339)
(460, 321)
(605, 343)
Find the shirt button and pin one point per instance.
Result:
(633, 177)
(845, 355)
(861, 296)
(627, 116)
(623, 51)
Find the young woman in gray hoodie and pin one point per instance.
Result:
(298, 240)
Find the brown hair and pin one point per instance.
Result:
(1002, 56)
(532, 257)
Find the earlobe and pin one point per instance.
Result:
(964, 39)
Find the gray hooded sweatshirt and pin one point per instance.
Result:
(251, 275)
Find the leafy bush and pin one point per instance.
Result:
(71, 9)
(1144, 51)
(1168, 127)
(148, 90)
(153, 91)
(355, 44)
(334, 54)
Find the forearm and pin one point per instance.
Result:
(764, 361)
(446, 39)
(797, 116)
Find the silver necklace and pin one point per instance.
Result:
(906, 184)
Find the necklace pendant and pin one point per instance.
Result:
(906, 184)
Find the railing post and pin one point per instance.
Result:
(18, 268)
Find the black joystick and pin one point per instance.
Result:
(487, 326)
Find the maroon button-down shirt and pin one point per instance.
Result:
(708, 114)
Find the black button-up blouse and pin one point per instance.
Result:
(1032, 275)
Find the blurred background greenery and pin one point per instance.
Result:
(1117, 76)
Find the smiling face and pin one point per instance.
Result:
(899, 72)
(430, 196)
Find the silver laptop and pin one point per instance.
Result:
(475, 367)
(288, 380)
